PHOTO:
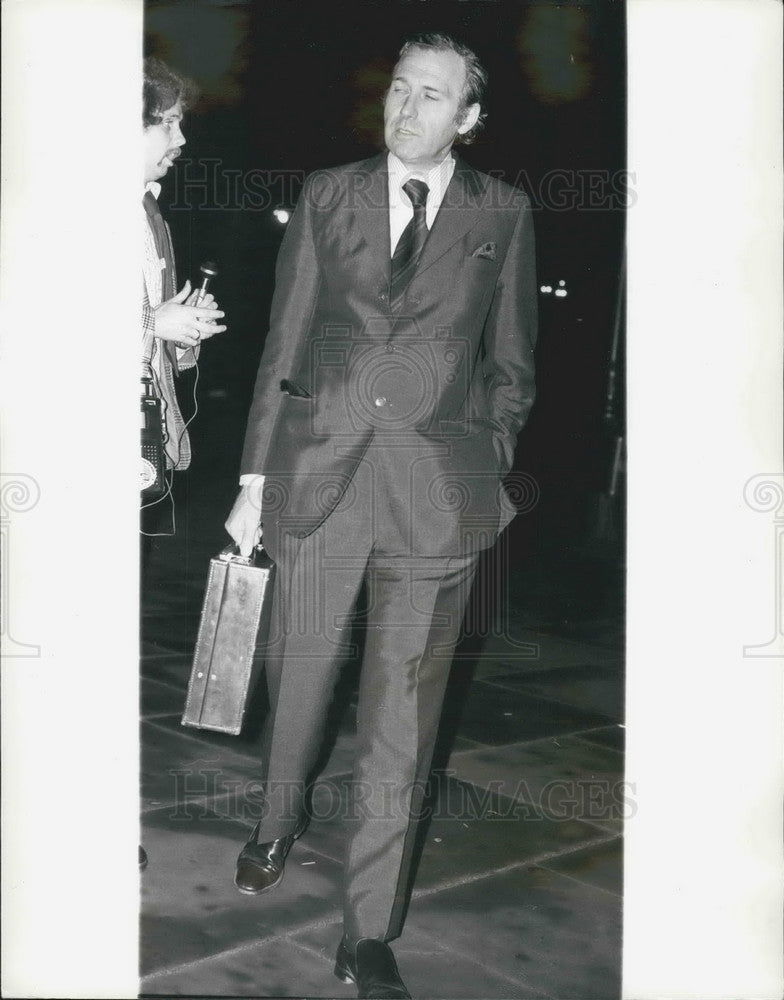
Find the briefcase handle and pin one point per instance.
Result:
(232, 554)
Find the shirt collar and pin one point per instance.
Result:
(437, 179)
(154, 188)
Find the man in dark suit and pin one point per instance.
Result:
(397, 373)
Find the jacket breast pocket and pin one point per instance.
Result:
(295, 389)
(480, 269)
(483, 263)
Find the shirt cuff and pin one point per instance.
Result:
(251, 479)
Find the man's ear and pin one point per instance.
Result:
(470, 119)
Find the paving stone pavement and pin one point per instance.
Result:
(518, 891)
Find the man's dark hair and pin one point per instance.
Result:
(162, 89)
(476, 75)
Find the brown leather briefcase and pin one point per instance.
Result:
(235, 615)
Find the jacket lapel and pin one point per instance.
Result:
(370, 197)
(460, 210)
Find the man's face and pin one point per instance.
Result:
(162, 143)
(422, 106)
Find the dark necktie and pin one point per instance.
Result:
(163, 248)
(409, 246)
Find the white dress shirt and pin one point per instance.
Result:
(401, 210)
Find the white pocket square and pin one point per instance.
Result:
(487, 250)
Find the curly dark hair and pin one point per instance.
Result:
(162, 89)
(475, 85)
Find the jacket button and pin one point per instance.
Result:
(390, 348)
(380, 401)
(383, 296)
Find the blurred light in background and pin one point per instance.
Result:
(560, 292)
(369, 85)
(554, 51)
(282, 215)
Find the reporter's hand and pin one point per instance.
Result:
(243, 521)
(207, 300)
(187, 325)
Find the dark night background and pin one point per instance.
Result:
(288, 87)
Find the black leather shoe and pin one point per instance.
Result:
(373, 968)
(260, 866)
(142, 858)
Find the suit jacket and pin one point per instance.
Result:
(433, 395)
(177, 444)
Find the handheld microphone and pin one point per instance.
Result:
(208, 270)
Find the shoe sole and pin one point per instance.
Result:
(343, 974)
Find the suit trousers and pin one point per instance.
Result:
(413, 621)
